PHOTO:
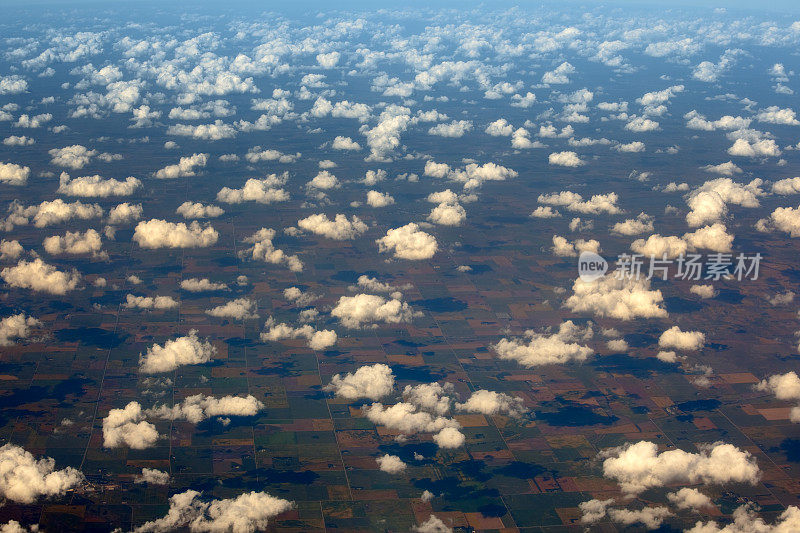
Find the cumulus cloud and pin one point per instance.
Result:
(75, 243)
(197, 408)
(408, 242)
(96, 186)
(682, 340)
(760, 148)
(24, 479)
(378, 199)
(786, 219)
(709, 202)
(186, 166)
(248, 512)
(492, 403)
(391, 464)
(638, 467)
(208, 132)
(703, 291)
(745, 520)
(599, 203)
(345, 143)
(156, 233)
(454, 129)
(202, 285)
(323, 181)
(125, 213)
(10, 249)
(786, 186)
(317, 340)
(361, 309)
(75, 157)
(565, 159)
(152, 476)
(563, 248)
(264, 250)
(340, 228)
(49, 213)
(238, 309)
(545, 211)
(537, 349)
(372, 382)
(408, 419)
(189, 350)
(641, 124)
(264, 191)
(616, 297)
(776, 115)
(16, 327)
(127, 427)
(634, 226)
(449, 212)
(199, 210)
(38, 276)
(687, 498)
(472, 175)
(14, 174)
(150, 302)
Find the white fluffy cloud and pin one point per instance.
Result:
(565, 159)
(156, 233)
(264, 250)
(599, 203)
(175, 353)
(472, 175)
(16, 327)
(201, 285)
(340, 228)
(317, 339)
(372, 382)
(345, 143)
(634, 226)
(238, 309)
(539, 349)
(246, 513)
(152, 476)
(621, 298)
(38, 276)
(408, 419)
(14, 174)
(24, 479)
(391, 464)
(264, 191)
(408, 242)
(127, 427)
(563, 248)
(74, 157)
(362, 309)
(682, 340)
(745, 520)
(378, 199)
(210, 132)
(199, 210)
(197, 408)
(492, 403)
(454, 129)
(786, 219)
(125, 213)
(186, 166)
(96, 186)
(637, 467)
(150, 302)
(49, 213)
(75, 243)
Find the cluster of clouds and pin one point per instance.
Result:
(181, 351)
(424, 408)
